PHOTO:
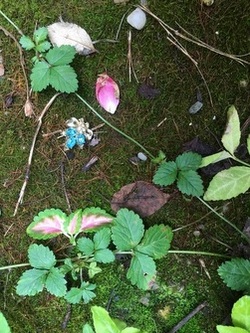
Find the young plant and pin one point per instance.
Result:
(125, 232)
(51, 65)
(240, 317)
(229, 183)
(104, 323)
(182, 170)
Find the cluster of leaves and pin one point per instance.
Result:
(229, 183)
(240, 317)
(104, 323)
(184, 171)
(126, 231)
(235, 273)
(51, 65)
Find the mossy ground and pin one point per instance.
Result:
(182, 280)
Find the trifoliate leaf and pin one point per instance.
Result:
(40, 76)
(40, 35)
(41, 256)
(241, 313)
(236, 274)
(166, 174)
(85, 293)
(188, 161)
(232, 134)
(63, 78)
(4, 324)
(156, 241)
(103, 320)
(60, 56)
(142, 270)
(85, 245)
(104, 255)
(56, 283)
(43, 47)
(228, 183)
(27, 43)
(31, 282)
(190, 183)
(47, 224)
(128, 230)
(93, 269)
(102, 239)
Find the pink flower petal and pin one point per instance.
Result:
(107, 93)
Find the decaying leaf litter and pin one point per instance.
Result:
(118, 109)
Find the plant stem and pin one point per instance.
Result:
(11, 22)
(202, 253)
(14, 266)
(240, 161)
(115, 128)
(225, 220)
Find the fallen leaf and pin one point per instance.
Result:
(65, 33)
(142, 197)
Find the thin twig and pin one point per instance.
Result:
(130, 59)
(188, 317)
(22, 62)
(27, 173)
(64, 187)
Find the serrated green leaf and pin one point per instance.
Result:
(27, 43)
(31, 282)
(190, 183)
(85, 245)
(4, 324)
(87, 329)
(232, 134)
(128, 230)
(156, 241)
(222, 155)
(67, 267)
(40, 35)
(47, 224)
(56, 283)
(104, 255)
(63, 78)
(228, 183)
(236, 274)
(85, 293)
(43, 47)
(166, 174)
(102, 239)
(241, 313)
(41, 257)
(142, 270)
(93, 269)
(188, 161)
(102, 321)
(40, 76)
(248, 144)
(230, 329)
(60, 56)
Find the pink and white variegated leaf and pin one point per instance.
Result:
(47, 224)
(72, 225)
(93, 218)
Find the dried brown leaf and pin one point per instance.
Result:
(141, 197)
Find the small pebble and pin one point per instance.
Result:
(142, 157)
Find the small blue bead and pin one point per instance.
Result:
(71, 132)
(70, 143)
(80, 139)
